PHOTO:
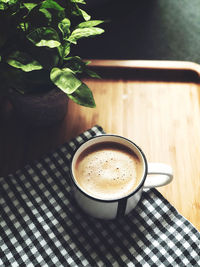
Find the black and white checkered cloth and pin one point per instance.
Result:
(41, 225)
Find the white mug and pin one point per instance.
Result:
(154, 175)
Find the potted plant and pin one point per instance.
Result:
(37, 67)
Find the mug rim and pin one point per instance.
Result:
(138, 187)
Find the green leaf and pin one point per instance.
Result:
(2, 6)
(52, 4)
(64, 27)
(38, 16)
(92, 74)
(84, 32)
(65, 80)
(52, 12)
(64, 50)
(46, 14)
(84, 14)
(75, 64)
(5, 1)
(83, 96)
(77, 11)
(78, 1)
(44, 36)
(23, 61)
(30, 6)
(5, 4)
(88, 24)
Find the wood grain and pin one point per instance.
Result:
(161, 116)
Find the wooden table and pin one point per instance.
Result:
(155, 104)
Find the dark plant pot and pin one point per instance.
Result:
(40, 110)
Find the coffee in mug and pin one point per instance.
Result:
(108, 174)
(108, 170)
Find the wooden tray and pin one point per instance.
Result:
(154, 103)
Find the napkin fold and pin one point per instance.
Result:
(41, 225)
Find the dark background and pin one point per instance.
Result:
(144, 29)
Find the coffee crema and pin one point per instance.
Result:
(108, 170)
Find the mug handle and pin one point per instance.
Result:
(159, 174)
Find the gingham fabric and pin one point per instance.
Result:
(41, 225)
